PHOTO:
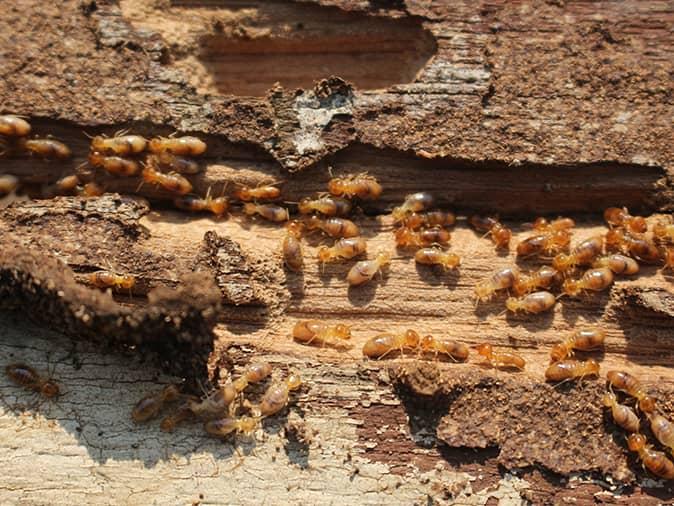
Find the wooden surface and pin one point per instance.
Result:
(521, 108)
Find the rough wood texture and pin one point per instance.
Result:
(521, 108)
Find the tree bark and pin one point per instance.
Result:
(511, 108)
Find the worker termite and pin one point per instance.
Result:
(596, 280)
(334, 227)
(364, 271)
(584, 340)
(223, 427)
(355, 185)
(543, 225)
(535, 302)
(215, 403)
(656, 462)
(314, 331)
(184, 146)
(345, 248)
(172, 163)
(436, 256)
(268, 192)
(107, 279)
(430, 219)
(622, 218)
(500, 280)
(8, 184)
(171, 182)
(121, 145)
(544, 277)
(179, 415)
(277, 395)
(663, 231)
(641, 248)
(65, 185)
(13, 126)
(45, 148)
(663, 430)
(326, 205)
(583, 254)
(503, 359)
(413, 203)
(549, 243)
(150, 406)
(254, 373)
(218, 206)
(382, 344)
(619, 264)
(292, 247)
(623, 415)
(114, 164)
(27, 377)
(453, 349)
(269, 212)
(571, 369)
(499, 234)
(92, 190)
(629, 384)
(407, 237)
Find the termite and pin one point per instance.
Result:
(364, 271)
(179, 415)
(254, 373)
(150, 406)
(65, 185)
(362, 186)
(629, 384)
(382, 344)
(171, 182)
(92, 190)
(619, 264)
(641, 248)
(173, 163)
(656, 462)
(623, 415)
(8, 184)
(45, 148)
(664, 231)
(346, 248)
(326, 205)
(246, 194)
(27, 377)
(13, 126)
(215, 403)
(585, 340)
(583, 254)
(500, 280)
(543, 225)
(452, 349)
(596, 280)
(269, 212)
(184, 146)
(413, 203)
(544, 277)
(107, 279)
(499, 233)
(114, 164)
(429, 219)
(218, 206)
(277, 395)
(571, 369)
(292, 246)
(436, 256)
(122, 145)
(535, 302)
(503, 359)
(334, 227)
(314, 331)
(223, 427)
(617, 217)
(407, 237)
(663, 430)
(549, 243)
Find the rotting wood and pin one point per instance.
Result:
(566, 105)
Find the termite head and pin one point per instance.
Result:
(592, 367)
(412, 338)
(50, 389)
(571, 287)
(484, 349)
(219, 206)
(502, 236)
(426, 342)
(383, 258)
(563, 262)
(249, 208)
(482, 291)
(342, 331)
(513, 304)
(247, 425)
(127, 282)
(294, 381)
(647, 404)
(636, 442)
(609, 399)
(324, 254)
(614, 239)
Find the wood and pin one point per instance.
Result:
(518, 108)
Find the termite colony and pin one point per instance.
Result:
(225, 410)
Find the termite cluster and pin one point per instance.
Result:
(562, 367)
(657, 462)
(225, 410)
(589, 266)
